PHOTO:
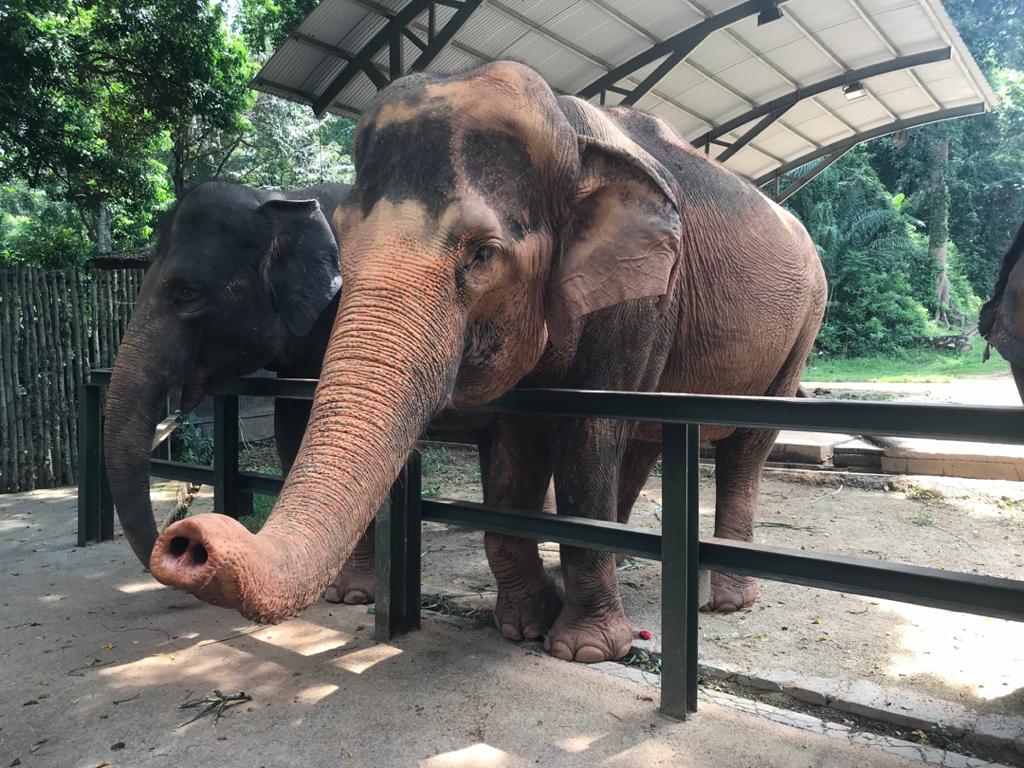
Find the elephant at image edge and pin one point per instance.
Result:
(1001, 320)
(241, 279)
(501, 236)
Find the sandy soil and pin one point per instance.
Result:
(964, 525)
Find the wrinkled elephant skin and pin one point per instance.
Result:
(498, 236)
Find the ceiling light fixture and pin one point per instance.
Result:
(853, 91)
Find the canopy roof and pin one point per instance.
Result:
(759, 84)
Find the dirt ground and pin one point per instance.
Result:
(964, 525)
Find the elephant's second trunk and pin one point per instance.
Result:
(388, 369)
(139, 383)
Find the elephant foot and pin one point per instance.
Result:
(526, 613)
(730, 592)
(589, 637)
(355, 585)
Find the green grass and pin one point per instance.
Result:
(925, 366)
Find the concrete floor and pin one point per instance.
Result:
(96, 660)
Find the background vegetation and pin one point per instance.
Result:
(111, 108)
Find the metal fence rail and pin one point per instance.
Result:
(677, 547)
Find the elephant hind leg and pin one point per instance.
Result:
(739, 461)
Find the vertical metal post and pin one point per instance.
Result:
(225, 455)
(397, 605)
(106, 497)
(89, 452)
(396, 57)
(679, 567)
(413, 544)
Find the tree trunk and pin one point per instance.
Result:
(104, 243)
(938, 227)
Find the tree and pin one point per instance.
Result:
(183, 67)
(871, 257)
(266, 23)
(103, 95)
(64, 126)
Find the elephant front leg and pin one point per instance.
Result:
(515, 470)
(739, 460)
(356, 584)
(592, 625)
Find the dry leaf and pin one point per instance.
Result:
(108, 646)
(102, 764)
(816, 621)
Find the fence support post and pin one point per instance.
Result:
(397, 605)
(89, 454)
(679, 567)
(225, 455)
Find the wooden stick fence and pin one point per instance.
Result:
(55, 325)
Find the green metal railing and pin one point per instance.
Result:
(677, 547)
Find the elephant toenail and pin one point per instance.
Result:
(510, 632)
(588, 654)
(355, 597)
(560, 651)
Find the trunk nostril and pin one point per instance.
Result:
(199, 554)
(187, 552)
(178, 546)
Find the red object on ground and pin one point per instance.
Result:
(644, 634)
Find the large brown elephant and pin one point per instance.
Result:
(1001, 320)
(501, 236)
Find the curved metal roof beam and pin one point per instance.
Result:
(775, 108)
(676, 48)
(390, 35)
(883, 130)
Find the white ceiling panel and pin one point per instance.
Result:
(730, 78)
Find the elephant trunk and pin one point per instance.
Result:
(145, 366)
(389, 367)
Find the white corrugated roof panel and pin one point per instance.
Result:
(734, 70)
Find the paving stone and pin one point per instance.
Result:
(813, 690)
(999, 730)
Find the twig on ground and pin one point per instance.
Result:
(218, 703)
(96, 664)
(125, 701)
(830, 493)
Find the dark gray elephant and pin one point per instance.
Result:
(1001, 320)
(501, 236)
(227, 293)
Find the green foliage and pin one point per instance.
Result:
(266, 23)
(871, 256)
(914, 365)
(190, 444)
(39, 231)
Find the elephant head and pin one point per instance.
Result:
(239, 274)
(488, 217)
(1001, 321)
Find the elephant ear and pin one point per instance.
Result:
(301, 266)
(624, 236)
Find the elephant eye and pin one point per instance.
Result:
(484, 253)
(188, 298)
